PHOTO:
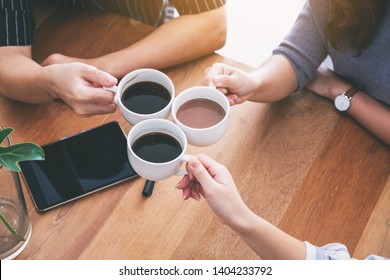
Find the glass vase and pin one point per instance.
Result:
(15, 224)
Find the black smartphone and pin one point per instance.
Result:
(78, 165)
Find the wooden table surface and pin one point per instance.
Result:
(312, 171)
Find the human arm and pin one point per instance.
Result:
(213, 181)
(78, 85)
(182, 39)
(372, 114)
(274, 80)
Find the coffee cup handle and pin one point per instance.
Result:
(113, 89)
(183, 172)
(211, 85)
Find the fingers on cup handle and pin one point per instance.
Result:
(113, 89)
(212, 85)
(184, 182)
(187, 158)
(187, 193)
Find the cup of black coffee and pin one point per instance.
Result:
(156, 149)
(144, 94)
(203, 114)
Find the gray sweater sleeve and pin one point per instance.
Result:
(305, 45)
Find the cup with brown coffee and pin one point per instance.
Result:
(144, 94)
(202, 113)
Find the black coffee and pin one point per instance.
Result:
(157, 147)
(146, 97)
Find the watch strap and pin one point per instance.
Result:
(352, 91)
(343, 100)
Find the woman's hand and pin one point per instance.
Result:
(213, 181)
(237, 85)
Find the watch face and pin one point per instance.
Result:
(342, 102)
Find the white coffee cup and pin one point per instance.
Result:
(142, 75)
(152, 170)
(207, 135)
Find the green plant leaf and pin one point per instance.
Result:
(11, 228)
(4, 133)
(12, 155)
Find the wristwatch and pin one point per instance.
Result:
(343, 100)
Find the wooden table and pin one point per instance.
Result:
(312, 171)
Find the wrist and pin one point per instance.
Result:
(343, 101)
(46, 82)
(256, 84)
(244, 222)
(256, 81)
(338, 88)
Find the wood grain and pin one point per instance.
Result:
(376, 236)
(341, 188)
(298, 163)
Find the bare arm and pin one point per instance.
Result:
(77, 84)
(274, 80)
(20, 77)
(214, 182)
(181, 39)
(268, 241)
(372, 114)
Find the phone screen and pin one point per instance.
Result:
(78, 165)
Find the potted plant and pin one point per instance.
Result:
(15, 225)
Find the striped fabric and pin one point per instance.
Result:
(17, 23)
(195, 6)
